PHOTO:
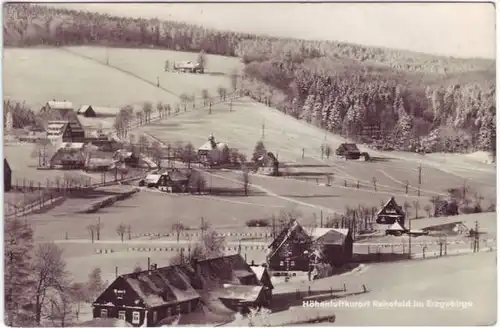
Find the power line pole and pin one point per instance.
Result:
(476, 238)
(263, 130)
(419, 178)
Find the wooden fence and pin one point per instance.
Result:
(52, 195)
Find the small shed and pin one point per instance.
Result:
(7, 176)
(390, 213)
(348, 150)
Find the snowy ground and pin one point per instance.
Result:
(458, 290)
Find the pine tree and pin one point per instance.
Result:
(316, 116)
(307, 109)
(325, 111)
(335, 118)
(259, 150)
(18, 279)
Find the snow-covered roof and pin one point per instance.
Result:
(153, 178)
(100, 111)
(329, 235)
(60, 104)
(239, 292)
(72, 145)
(259, 271)
(208, 146)
(396, 227)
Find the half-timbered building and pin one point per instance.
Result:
(288, 251)
(390, 213)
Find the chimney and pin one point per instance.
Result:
(253, 263)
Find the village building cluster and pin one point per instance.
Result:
(159, 296)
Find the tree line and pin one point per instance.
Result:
(39, 290)
(28, 25)
(408, 111)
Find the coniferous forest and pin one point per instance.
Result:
(395, 99)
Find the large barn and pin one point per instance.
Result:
(157, 295)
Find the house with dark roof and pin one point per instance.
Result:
(62, 106)
(170, 180)
(390, 213)
(288, 251)
(148, 296)
(94, 111)
(348, 151)
(7, 176)
(335, 245)
(69, 158)
(178, 292)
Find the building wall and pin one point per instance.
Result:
(7, 179)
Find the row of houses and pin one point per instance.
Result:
(158, 296)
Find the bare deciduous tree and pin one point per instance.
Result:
(121, 230)
(178, 228)
(50, 274)
(245, 179)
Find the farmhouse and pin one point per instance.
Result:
(92, 111)
(69, 156)
(149, 296)
(7, 176)
(270, 164)
(334, 245)
(152, 297)
(60, 106)
(213, 152)
(172, 180)
(348, 150)
(391, 212)
(289, 249)
(127, 157)
(233, 281)
(65, 131)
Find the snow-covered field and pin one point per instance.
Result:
(459, 290)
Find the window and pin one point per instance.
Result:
(104, 313)
(136, 317)
(292, 263)
(155, 316)
(121, 315)
(282, 263)
(178, 308)
(169, 312)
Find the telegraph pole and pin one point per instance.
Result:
(263, 130)
(419, 178)
(476, 238)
